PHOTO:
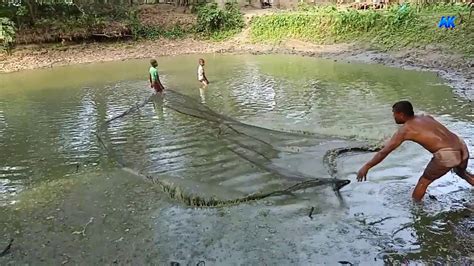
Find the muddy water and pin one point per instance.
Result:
(53, 169)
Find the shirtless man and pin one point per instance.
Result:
(449, 151)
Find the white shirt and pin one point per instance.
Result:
(200, 73)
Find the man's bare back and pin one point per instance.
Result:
(429, 133)
(449, 151)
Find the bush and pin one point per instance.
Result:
(140, 30)
(7, 34)
(211, 18)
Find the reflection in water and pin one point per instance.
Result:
(44, 128)
(435, 238)
(3, 122)
(253, 91)
(77, 139)
(157, 101)
(202, 94)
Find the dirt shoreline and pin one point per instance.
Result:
(458, 71)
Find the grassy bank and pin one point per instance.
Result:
(397, 27)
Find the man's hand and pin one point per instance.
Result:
(362, 174)
(389, 146)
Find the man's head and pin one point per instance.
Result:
(201, 61)
(153, 63)
(402, 112)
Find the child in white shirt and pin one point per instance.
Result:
(201, 75)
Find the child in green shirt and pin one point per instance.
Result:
(155, 82)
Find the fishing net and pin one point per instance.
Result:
(217, 160)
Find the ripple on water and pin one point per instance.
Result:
(8, 189)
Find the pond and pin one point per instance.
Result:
(53, 168)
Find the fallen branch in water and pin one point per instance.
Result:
(83, 231)
(402, 228)
(381, 220)
(311, 213)
(7, 249)
(343, 262)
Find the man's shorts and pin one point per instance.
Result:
(445, 160)
(157, 87)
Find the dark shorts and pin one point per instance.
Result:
(445, 160)
(157, 87)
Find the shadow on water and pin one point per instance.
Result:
(440, 238)
(423, 236)
(54, 176)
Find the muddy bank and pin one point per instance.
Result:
(456, 69)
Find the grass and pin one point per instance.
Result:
(395, 28)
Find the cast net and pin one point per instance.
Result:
(208, 159)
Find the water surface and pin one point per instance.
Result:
(49, 118)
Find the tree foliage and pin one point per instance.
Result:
(7, 34)
(211, 18)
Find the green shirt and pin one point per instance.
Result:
(154, 74)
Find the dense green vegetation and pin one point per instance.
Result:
(55, 22)
(212, 22)
(7, 34)
(219, 23)
(399, 26)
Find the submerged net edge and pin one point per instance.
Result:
(178, 193)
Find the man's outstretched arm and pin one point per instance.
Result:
(392, 144)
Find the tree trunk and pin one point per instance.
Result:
(31, 10)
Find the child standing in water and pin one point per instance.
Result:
(201, 75)
(155, 82)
